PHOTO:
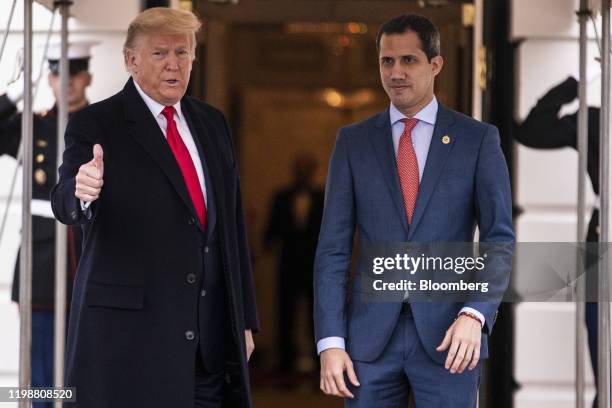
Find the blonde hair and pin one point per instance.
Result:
(161, 20)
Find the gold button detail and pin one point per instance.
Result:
(42, 143)
(40, 176)
(446, 139)
(40, 158)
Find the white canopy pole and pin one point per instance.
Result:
(25, 272)
(60, 229)
(583, 15)
(603, 346)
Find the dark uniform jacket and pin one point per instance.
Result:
(545, 129)
(43, 179)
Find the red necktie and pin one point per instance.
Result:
(183, 158)
(408, 168)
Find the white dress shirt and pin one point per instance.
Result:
(421, 139)
(156, 109)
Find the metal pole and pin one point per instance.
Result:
(25, 273)
(60, 229)
(8, 29)
(19, 151)
(583, 15)
(603, 343)
(44, 59)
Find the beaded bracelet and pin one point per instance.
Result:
(471, 316)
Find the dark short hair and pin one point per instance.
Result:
(428, 33)
(75, 65)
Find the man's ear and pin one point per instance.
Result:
(131, 61)
(436, 64)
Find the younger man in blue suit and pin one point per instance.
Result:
(416, 172)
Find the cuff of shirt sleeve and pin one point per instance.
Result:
(473, 311)
(330, 342)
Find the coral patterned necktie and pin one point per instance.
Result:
(408, 168)
(186, 164)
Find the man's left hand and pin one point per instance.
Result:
(250, 344)
(463, 337)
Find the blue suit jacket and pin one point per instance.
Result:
(465, 184)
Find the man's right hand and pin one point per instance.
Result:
(89, 179)
(334, 362)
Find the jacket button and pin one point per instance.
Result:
(191, 278)
(191, 221)
(206, 249)
(189, 335)
(203, 293)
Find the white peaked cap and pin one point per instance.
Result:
(76, 50)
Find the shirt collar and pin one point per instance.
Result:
(428, 114)
(155, 107)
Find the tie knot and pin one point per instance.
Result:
(168, 112)
(409, 124)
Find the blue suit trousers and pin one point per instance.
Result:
(404, 365)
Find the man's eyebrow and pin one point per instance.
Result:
(400, 56)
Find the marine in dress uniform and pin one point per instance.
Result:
(544, 128)
(43, 179)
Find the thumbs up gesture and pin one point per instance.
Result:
(89, 179)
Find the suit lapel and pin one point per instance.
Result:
(436, 159)
(202, 131)
(147, 133)
(382, 142)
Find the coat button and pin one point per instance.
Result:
(206, 249)
(191, 221)
(203, 293)
(189, 335)
(191, 278)
(73, 215)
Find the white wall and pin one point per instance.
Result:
(546, 190)
(103, 21)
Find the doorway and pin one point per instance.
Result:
(288, 75)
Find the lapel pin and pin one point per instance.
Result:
(446, 139)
